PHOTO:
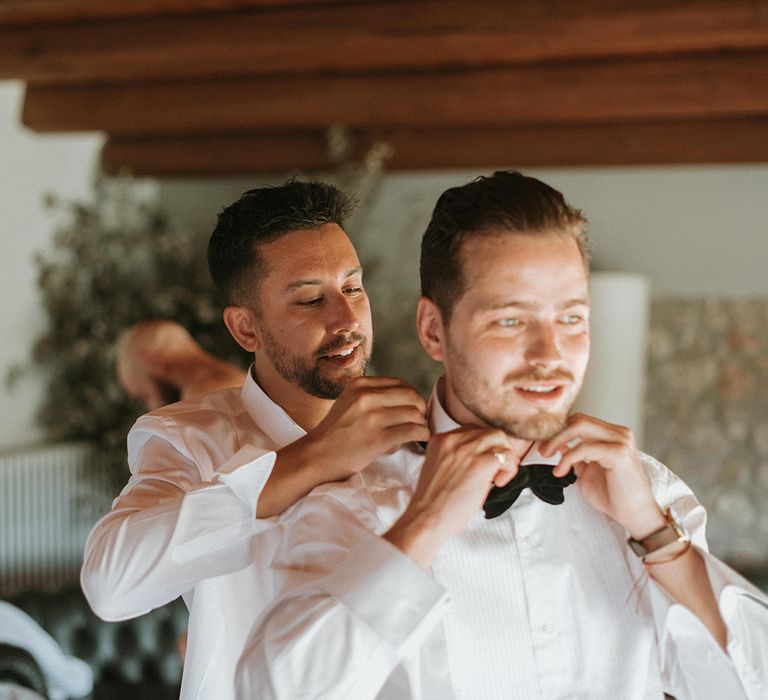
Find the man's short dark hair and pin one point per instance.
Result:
(262, 215)
(505, 202)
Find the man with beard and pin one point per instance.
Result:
(208, 472)
(395, 584)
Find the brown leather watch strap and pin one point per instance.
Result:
(661, 537)
(671, 532)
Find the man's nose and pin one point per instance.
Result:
(544, 347)
(342, 316)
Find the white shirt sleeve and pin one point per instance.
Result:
(350, 607)
(694, 664)
(169, 528)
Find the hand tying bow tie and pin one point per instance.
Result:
(533, 473)
(537, 477)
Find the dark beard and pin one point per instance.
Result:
(541, 427)
(309, 377)
(312, 382)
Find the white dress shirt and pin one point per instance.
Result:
(184, 525)
(542, 602)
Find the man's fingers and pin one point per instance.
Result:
(487, 440)
(378, 381)
(601, 453)
(362, 384)
(388, 416)
(401, 433)
(586, 429)
(503, 477)
(559, 443)
(389, 395)
(474, 453)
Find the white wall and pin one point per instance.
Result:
(30, 166)
(693, 231)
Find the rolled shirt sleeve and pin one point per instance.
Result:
(222, 512)
(173, 524)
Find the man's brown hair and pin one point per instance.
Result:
(262, 215)
(505, 202)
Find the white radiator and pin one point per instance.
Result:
(49, 499)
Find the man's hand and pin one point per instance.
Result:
(373, 416)
(611, 477)
(459, 469)
(613, 480)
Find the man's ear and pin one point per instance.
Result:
(243, 327)
(429, 324)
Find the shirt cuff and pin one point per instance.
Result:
(745, 612)
(713, 673)
(389, 592)
(221, 514)
(701, 669)
(246, 472)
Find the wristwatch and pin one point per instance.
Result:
(663, 544)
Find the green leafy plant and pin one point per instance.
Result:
(115, 261)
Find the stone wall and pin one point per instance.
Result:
(707, 414)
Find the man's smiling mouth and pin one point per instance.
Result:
(343, 353)
(539, 389)
(343, 349)
(345, 357)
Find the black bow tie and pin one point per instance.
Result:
(537, 477)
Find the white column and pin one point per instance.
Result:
(614, 387)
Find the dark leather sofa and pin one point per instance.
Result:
(131, 659)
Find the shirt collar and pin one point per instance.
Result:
(441, 422)
(269, 416)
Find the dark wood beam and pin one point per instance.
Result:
(556, 145)
(201, 155)
(674, 88)
(402, 35)
(217, 154)
(18, 12)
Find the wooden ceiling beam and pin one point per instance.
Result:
(402, 35)
(217, 154)
(674, 89)
(18, 12)
(657, 143)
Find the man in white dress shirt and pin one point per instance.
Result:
(185, 523)
(393, 584)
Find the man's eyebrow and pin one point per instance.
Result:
(532, 305)
(513, 304)
(354, 271)
(298, 284)
(575, 302)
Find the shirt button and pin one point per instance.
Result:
(547, 629)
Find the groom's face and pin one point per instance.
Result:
(516, 347)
